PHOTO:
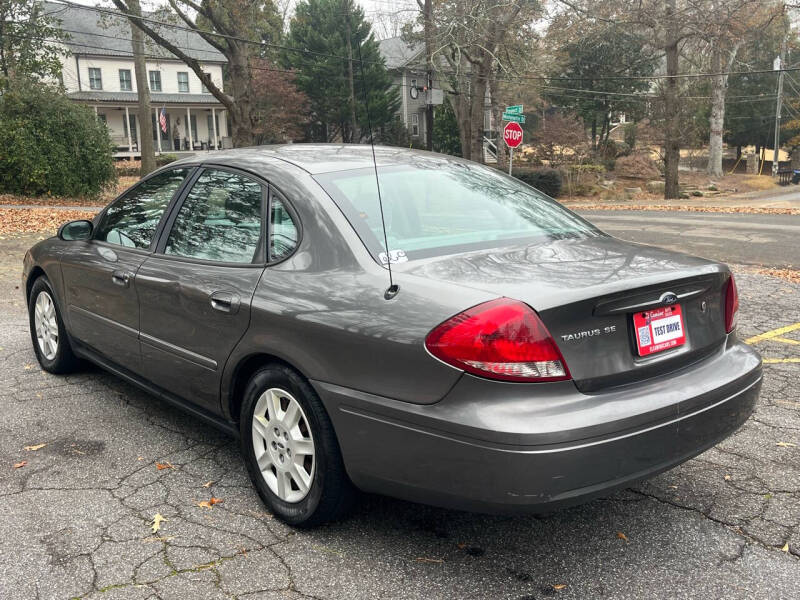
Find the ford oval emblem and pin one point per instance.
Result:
(668, 298)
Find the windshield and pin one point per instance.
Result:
(447, 207)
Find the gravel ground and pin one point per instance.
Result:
(76, 518)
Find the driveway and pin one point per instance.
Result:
(76, 516)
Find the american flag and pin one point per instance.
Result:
(163, 120)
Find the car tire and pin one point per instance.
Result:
(291, 450)
(48, 333)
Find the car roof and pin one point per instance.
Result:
(319, 158)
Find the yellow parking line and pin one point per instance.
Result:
(784, 340)
(773, 361)
(772, 334)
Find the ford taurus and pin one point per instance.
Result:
(520, 360)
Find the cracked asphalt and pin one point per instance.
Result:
(75, 519)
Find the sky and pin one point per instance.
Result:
(387, 16)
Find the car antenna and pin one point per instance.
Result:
(393, 288)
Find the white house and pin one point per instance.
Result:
(406, 63)
(99, 72)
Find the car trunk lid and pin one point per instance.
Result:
(586, 292)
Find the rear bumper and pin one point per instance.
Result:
(513, 448)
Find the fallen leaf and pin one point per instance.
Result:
(28, 367)
(209, 503)
(727, 477)
(156, 523)
(208, 484)
(164, 465)
(35, 448)
(20, 464)
(559, 586)
(140, 458)
(425, 559)
(786, 445)
(785, 547)
(622, 536)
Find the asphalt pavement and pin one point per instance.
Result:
(75, 518)
(751, 239)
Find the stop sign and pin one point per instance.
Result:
(512, 134)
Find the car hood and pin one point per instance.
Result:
(557, 272)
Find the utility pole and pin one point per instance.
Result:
(428, 18)
(777, 142)
(354, 135)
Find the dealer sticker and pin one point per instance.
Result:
(659, 329)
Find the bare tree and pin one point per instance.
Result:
(232, 27)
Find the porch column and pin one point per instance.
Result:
(128, 129)
(214, 125)
(95, 111)
(158, 129)
(189, 128)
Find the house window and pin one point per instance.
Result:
(183, 81)
(125, 80)
(415, 124)
(95, 79)
(155, 81)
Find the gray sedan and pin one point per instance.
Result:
(467, 342)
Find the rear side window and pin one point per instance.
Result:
(283, 231)
(220, 219)
(131, 221)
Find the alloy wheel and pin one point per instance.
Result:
(46, 325)
(283, 445)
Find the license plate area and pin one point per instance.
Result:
(659, 329)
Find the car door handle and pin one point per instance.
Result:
(226, 302)
(122, 278)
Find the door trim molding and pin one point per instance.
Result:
(182, 353)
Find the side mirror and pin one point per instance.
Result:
(75, 231)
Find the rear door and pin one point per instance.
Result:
(100, 274)
(195, 291)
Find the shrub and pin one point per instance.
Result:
(582, 180)
(164, 159)
(629, 133)
(636, 166)
(51, 145)
(548, 181)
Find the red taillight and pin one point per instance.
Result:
(501, 339)
(731, 304)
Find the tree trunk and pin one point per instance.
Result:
(428, 23)
(241, 115)
(594, 132)
(672, 121)
(494, 95)
(143, 92)
(478, 103)
(354, 135)
(719, 88)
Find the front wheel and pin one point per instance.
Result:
(291, 450)
(48, 333)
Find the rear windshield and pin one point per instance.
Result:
(447, 207)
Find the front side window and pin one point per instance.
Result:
(439, 207)
(183, 81)
(155, 81)
(220, 219)
(125, 84)
(95, 79)
(282, 229)
(132, 220)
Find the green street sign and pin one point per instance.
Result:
(514, 110)
(515, 118)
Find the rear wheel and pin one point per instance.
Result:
(291, 450)
(48, 334)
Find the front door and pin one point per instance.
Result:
(100, 274)
(195, 292)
